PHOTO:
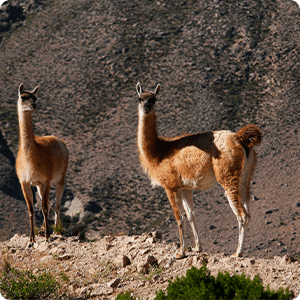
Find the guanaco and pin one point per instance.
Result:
(195, 162)
(41, 162)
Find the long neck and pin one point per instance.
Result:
(148, 140)
(26, 129)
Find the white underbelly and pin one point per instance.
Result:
(201, 182)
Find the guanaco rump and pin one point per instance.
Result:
(195, 162)
(41, 162)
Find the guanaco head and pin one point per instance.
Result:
(27, 100)
(147, 99)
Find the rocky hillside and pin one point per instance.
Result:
(221, 65)
(140, 264)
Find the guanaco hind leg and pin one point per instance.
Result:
(59, 193)
(45, 208)
(235, 201)
(41, 191)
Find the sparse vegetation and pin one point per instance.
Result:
(92, 268)
(16, 284)
(152, 272)
(64, 277)
(59, 229)
(105, 272)
(199, 284)
(126, 296)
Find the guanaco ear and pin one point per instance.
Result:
(21, 88)
(139, 89)
(35, 90)
(157, 90)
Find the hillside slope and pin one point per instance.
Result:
(221, 65)
(141, 264)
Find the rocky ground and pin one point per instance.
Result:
(142, 264)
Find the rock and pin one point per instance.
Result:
(67, 269)
(143, 267)
(92, 271)
(74, 207)
(188, 261)
(46, 259)
(108, 239)
(270, 211)
(285, 260)
(102, 291)
(107, 246)
(151, 240)
(145, 251)
(71, 288)
(156, 234)
(151, 259)
(170, 262)
(84, 290)
(195, 261)
(64, 257)
(215, 260)
(43, 247)
(122, 261)
(54, 251)
(114, 283)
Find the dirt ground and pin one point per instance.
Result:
(141, 264)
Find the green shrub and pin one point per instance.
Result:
(199, 284)
(16, 284)
(125, 296)
(59, 229)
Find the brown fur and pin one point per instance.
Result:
(41, 161)
(197, 161)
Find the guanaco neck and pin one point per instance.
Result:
(26, 129)
(148, 140)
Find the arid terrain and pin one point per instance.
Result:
(220, 64)
(140, 264)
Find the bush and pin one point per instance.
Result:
(199, 284)
(125, 296)
(17, 284)
(59, 229)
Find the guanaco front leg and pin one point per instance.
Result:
(175, 199)
(27, 192)
(188, 205)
